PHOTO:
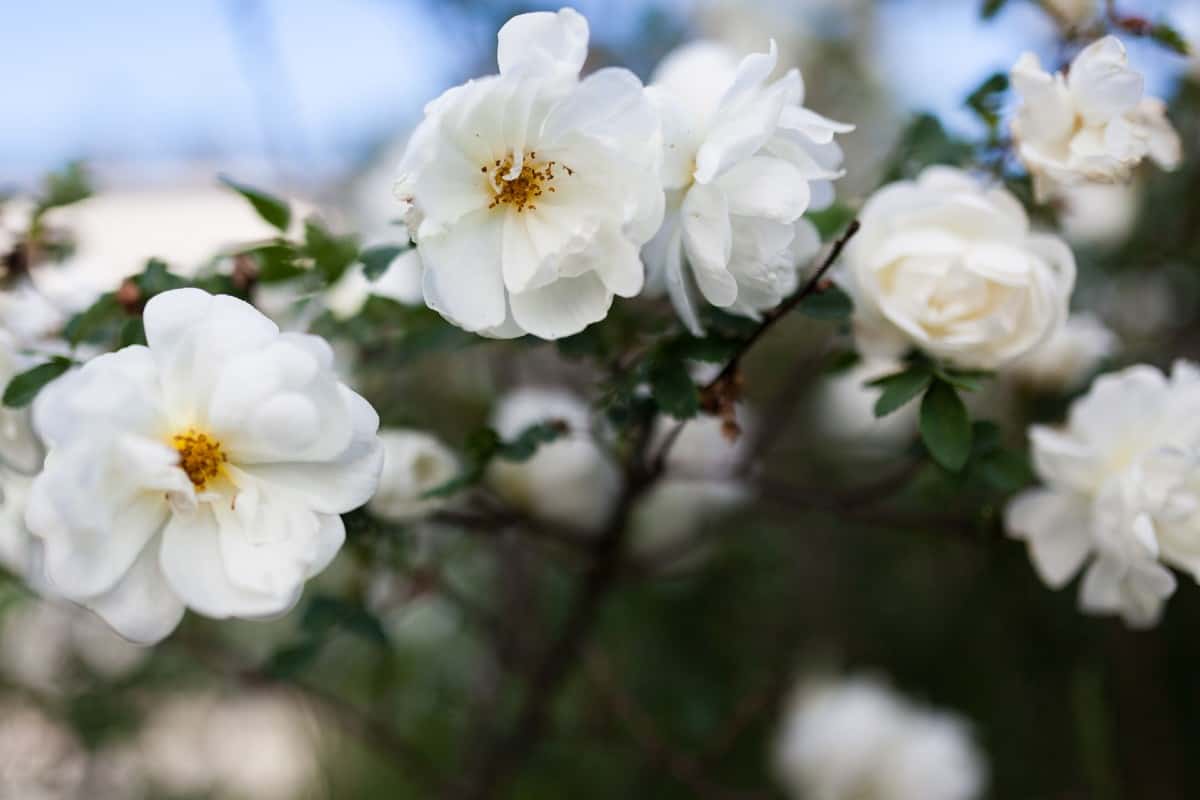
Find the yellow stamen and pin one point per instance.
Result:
(522, 190)
(200, 456)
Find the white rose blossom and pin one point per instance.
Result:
(1093, 125)
(1066, 359)
(414, 462)
(571, 481)
(206, 470)
(859, 740)
(530, 192)
(948, 265)
(1121, 491)
(744, 159)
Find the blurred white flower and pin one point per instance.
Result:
(1122, 490)
(1093, 124)
(20, 450)
(40, 759)
(256, 745)
(743, 161)
(572, 480)
(1098, 213)
(701, 480)
(530, 192)
(846, 409)
(1067, 358)
(413, 463)
(1073, 13)
(42, 639)
(206, 470)
(948, 265)
(859, 740)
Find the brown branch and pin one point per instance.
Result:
(812, 286)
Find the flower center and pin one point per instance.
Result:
(200, 456)
(522, 190)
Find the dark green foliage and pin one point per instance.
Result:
(23, 388)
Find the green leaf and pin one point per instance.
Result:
(23, 388)
(97, 317)
(132, 332)
(1006, 470)
(945, 426)
(273, 210)
(969, 380)
(276, 262)
(1169, 38)
(331, 254)
(673, 389)
(923, 143)
(64, 188)
(529, 440)
(376, 260)
(292, 659)
(991, 8)
(988, 99)
(157, 278)
(831, 221)
(828, 304)
(900, 388)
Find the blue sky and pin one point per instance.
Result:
(152, 84)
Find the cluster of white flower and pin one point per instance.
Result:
(859, 739)
(1122, 490)
(948, 265)
(1093, 125)
(531, 193)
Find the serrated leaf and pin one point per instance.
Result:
(945, 426)
(99, 315)
(331, 254)
(1170, 38)
(157, 278)
(23, 388)
(132, 332)
(529, 440)
(273, 211)
(900, 388)
(376, 260)
(276, 262)
(673, 389)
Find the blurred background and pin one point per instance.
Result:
(313, 100)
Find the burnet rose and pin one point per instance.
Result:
(948, 265)
(1092, 125)
(530, 192)
(859, 739)
(1121, 492)
(743, 160)
(206, 470)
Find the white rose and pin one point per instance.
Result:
(530, 192)
(743, 161)
(1093, 125)
(206, 470)
(859, 739)
(947, 264)
(1122, 489)
(414, 462)
(1101, 214)
(1068, 357)
(571, 480)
